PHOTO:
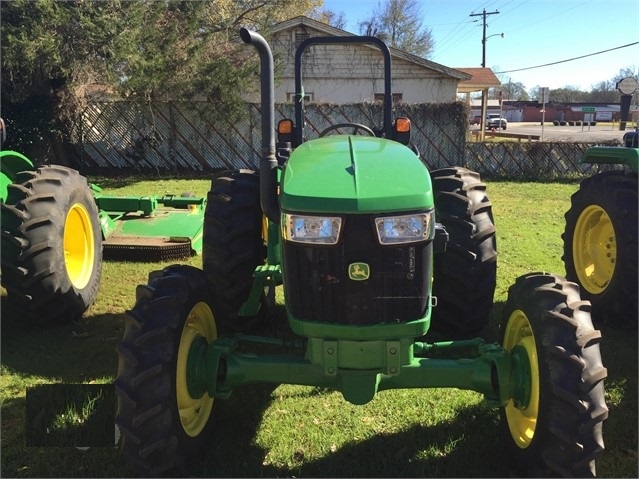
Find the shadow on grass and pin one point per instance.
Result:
(444, 450)
(70, 353)
(465, 446)
(20, 460)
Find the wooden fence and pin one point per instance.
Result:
(189, 138)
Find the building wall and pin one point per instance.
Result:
(352, 73)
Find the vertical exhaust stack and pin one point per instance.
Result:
(268, 161)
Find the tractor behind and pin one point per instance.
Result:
(372, 251)
(600, 237)
(56, 227)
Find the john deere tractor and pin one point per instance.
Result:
(371, 249)
(600, 237)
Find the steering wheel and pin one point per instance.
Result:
(355, 126)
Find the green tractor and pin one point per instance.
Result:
(600, 237)
(370, 248)
(56, 227)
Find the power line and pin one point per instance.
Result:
(456, 36)
(568, 60)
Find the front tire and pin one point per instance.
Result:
(51, 245)
(161, 424)
(553, 424)
(465, 275)
(600, 245)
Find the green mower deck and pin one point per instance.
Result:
(150, 228)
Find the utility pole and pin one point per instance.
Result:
(484, 92)
(483, 14)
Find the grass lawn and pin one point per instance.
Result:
(295, 431)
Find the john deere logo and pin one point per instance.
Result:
(359, 271)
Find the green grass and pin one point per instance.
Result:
(286, 431)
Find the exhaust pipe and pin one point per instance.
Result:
(268, 161)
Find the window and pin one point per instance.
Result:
(299, 36)
(397, 97)
(290, 97)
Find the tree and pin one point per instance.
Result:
(567, 94)
(514, 91)
(330, 17)
(630, 71)
(535, 93)
(603, 92)
(398, 23)
(52, 51)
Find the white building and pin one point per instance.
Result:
(354, 73)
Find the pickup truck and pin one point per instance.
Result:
(495, 120)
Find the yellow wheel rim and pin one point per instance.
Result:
(522, 421)
(594, 249)
(264, 228)
(194, 412)
(79, 247)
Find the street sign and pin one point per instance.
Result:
(589, 109)
(544, 94)
(627, 86)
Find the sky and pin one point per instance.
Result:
(536, 32)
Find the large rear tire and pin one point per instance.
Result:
(465, 275)
(233, 242)
(600, 245)
(554, 427)
(161, 424)
(51, 245)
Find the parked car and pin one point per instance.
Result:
(495, 120)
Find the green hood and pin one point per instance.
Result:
(354, 174)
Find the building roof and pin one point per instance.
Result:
(481, 78)
(328, 30)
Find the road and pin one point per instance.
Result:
(551, 132)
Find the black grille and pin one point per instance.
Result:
(318, 288)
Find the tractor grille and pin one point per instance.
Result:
(318, 287)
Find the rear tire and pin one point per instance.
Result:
(548, 329)
(233, 242)
(51, 245)
(162, 426)
(600, 245)
(465, 275)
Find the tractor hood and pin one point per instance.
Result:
(354, 174)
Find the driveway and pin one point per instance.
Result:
(583, 134)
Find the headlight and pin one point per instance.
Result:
(405, 229)
(311, 229)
